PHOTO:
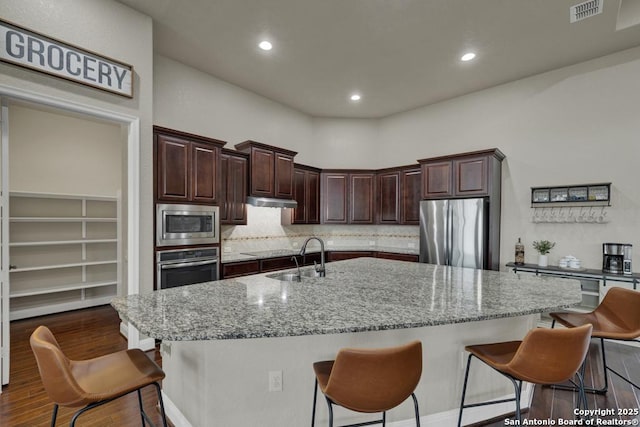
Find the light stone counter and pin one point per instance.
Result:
(363, 294)
(221, 340)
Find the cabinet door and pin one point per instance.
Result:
(410, 195)
(262, 168)
(334, 196)
(173, 168)
(313, 197)
(299, 215)
(437, 180)
(205, 172)
(223, 195)
(471, 176)
(238, 172)
(389, 198)
(362, 198)
(283, 176)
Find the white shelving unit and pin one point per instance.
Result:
(65, 252)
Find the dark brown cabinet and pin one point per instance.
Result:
(411, 186)
(271, 170)
(348, 197)
(240, 268)
(389, 197)
(306, 191)
(233, 187)
(399, 195)
(461, 175)
(340, 256)
(187, 167)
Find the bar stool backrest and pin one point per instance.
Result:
(375, 380)
(622, 307)
(55, 369)
(550, 356)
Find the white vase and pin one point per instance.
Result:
(543, 261)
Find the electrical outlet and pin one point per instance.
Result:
(275, 380)
(411, 245)
(372, 242)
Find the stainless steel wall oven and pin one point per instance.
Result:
(181, 267)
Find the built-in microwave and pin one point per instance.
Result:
(178, 225)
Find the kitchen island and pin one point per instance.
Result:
(221, 340)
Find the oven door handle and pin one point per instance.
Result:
(187, 264)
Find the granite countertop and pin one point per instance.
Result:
(362, 294)
(251, 255)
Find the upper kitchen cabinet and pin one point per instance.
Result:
(271, 170)
(474, 174)
(348, 197)
(399, 195)
(411, 186)
(187, 166)
(306, 191)
(233, 187)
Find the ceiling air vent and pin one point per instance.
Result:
(585, 10)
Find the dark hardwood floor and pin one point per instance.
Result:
(82, 334)
(92, 332)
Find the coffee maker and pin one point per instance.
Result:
(616, 258)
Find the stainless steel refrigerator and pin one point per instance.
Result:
(455, 232)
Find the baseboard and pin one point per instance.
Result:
(447, 418)
(173, 413)
(145, 344)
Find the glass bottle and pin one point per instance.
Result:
(519, 252)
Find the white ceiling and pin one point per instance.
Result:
(399, 54)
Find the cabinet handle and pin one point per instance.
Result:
(12, 267)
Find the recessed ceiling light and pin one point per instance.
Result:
(265, 45)
(355, 97)
(467, 56)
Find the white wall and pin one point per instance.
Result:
(575, 125)
(56, 153)
(189, 100)
(110, 29)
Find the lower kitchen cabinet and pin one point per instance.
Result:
(397, 257)
(240, 268)
(339, 256)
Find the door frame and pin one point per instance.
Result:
(132, 124)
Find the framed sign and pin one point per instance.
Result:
(28, 49)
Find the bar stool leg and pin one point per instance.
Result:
(141, 408)
(315, 397)
(330, 412)
(464, 389)
(415, 406)
(164, 415)
(54, 415)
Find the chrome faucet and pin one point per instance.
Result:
(299, 277)
(319, 269)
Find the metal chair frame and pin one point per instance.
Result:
(606, 368)
(145, 418)
(330, 404)
(517, 385)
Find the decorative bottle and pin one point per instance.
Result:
(519, 252)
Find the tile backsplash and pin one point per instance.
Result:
(264, 231)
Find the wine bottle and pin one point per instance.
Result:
(519, 252)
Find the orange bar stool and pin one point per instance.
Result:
(94, 382)
(544, 356)
(369, 380)
(616, 318)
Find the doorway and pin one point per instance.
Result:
(128, 131)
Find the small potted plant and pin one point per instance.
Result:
(543, 247)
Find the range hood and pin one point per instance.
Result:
(269, 202)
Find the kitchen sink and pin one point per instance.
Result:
(293, 276)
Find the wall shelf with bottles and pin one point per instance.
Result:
(64, 252)
(585, 203)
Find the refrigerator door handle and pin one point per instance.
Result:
(448, 240)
